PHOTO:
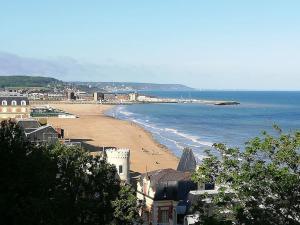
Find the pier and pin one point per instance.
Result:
(189, 101)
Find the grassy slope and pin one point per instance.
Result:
(26, 81)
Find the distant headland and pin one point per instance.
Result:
(46, 82)
(48, 89)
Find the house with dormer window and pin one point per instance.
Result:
(14, 105)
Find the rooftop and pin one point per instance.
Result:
(187, 161)
(9, 98)
(166, 175)
(28, 124)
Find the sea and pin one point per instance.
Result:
(199, 126)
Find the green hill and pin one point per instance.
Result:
(38, 81)
(135, 86)
(27, 81)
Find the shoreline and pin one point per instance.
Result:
(160, 145)
(147, 153)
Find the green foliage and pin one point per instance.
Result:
(126, 209)
(86, 185)
(57, 185)
(263, 179)
(27, 81)
(26, 178)
(43, 121)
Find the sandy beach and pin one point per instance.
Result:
(99, 130)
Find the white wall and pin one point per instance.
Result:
(120, 157)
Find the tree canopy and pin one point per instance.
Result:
(126, 210)
(258, 185)
(58, 185)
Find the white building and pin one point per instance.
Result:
(121, 159)
(144, 98)
(14, 105)
(133, 97)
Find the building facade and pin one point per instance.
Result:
(163, 196)
(98, 96)
(133, 97)
(14, 106)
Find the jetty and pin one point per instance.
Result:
(208, 102)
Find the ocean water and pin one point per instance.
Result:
(199, 126)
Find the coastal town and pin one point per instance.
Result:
(106, 96)
(150, 112)
(164, 188)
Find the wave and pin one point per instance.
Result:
(126, 113)
(171, 137)
(122, 110)
(194, 139)
(157, 131)
(181, 145)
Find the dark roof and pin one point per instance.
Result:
(166, 175)
(18, 99)
(170, 184)
(28, 124)
(187, 161)
(42, 128)
(43, 134)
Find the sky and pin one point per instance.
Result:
(224, 44)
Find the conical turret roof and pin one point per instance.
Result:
(187, 161)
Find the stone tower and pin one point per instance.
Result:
(120, 158)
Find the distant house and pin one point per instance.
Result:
(43, 135)
(71, 95)
(55, 96)
(122, 97)
(28, 125)
(109, 97)
(98, 96)
(133, 97)
(163, 194)
(36, 133)
(13, 105)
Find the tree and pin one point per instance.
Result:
(263, 180)
(27, 176)
(85, 187)
(57, 184)
(125, 207)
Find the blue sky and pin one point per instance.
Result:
(227, 44)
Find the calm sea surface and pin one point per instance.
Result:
(199, 126)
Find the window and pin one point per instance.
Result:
(14, 110)
(4, 109)
(120, 169)
(13, 102)
(4, 102)
(23, 109)
(23, 102)
(163, 216)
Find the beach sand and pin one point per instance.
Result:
(99, 130)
